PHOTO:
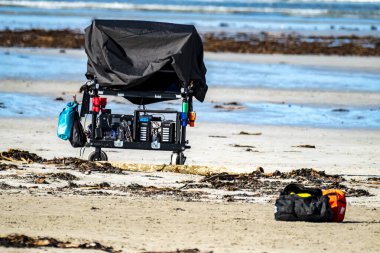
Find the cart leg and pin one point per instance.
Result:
(178, 158)
(98, 155)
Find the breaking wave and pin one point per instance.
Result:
(160, 7)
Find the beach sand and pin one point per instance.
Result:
(137, 224)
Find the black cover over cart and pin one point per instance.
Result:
(144, 62)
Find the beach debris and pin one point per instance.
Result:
(65, 176)
(374, 180)
(252, 180)
(17, 155)
(251, 150)
(232, 103)
(5, 166)
(242, 146)
(304, 146)
(229, 107)
(311, 175)
(284, 43)
(41, 180)
(230, 182)
(24, 241)
(151, 191)
(42, 38)
(4, 186)
(247, 133)
(84, 165)
(340, 110)
(260, 42)
(195, 250)
(102, 185)
(217, 136)
(353, 192)
(257, 183)
(228, 198)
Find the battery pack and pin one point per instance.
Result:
(168, 131)
(144, 131)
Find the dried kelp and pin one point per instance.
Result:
(247, 133)
(180, 251)
(249, 182)
(84, 166)
(150, 191)
(271, 183)
(242, 146)
(65, 176)
(5, 166)
(304, 146)
(258, 182)
(229, 107)
(4, 186)
(260, 42)
(23, 241)
(16, 155)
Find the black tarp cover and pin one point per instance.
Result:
(145, 56)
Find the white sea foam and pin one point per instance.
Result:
(159, 7)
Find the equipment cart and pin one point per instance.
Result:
(145, 63)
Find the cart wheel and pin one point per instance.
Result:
(92, 156)
(178, 158)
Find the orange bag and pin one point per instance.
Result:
(337, 202)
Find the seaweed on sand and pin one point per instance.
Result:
(17, 155)
(84, 166)
(23, 241)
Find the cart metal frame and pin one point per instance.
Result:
(92, 89)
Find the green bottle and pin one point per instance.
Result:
(185, 107)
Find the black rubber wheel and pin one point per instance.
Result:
(103, 156)
(178, 158)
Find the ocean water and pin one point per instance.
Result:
(26, 64)
(29, 106)
(337, 16)
(24, 105)
(34, 66)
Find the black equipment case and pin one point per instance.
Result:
(145, 63)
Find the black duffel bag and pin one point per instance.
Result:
(298, 203)
(78, 137)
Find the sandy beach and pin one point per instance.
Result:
(293, 97)
(219, 220)
(140, 225)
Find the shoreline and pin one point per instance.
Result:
(216, 94)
